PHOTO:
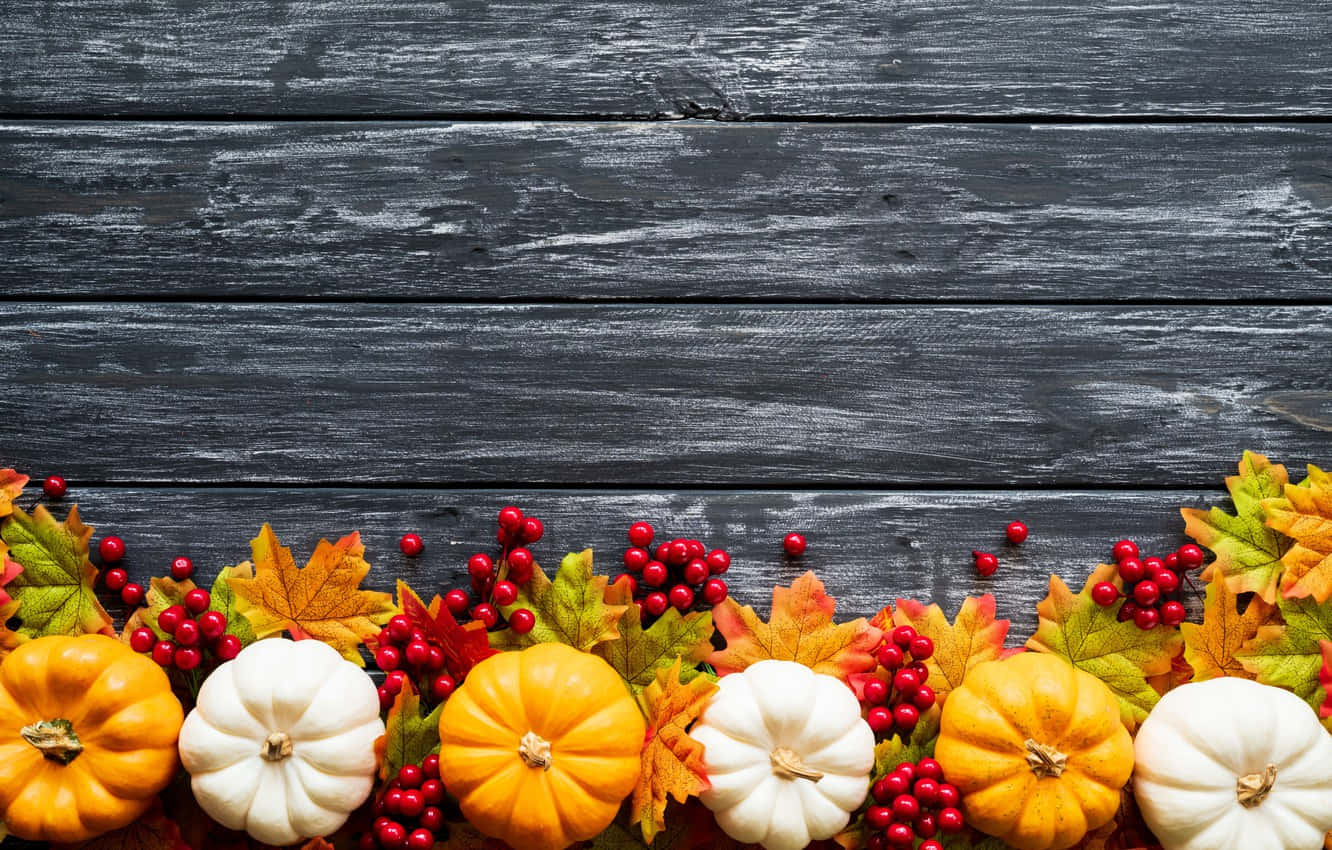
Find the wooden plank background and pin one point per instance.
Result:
(887, 273)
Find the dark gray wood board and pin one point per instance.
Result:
(869, 548)
(727, 58)
(551, 211)
(662, 396)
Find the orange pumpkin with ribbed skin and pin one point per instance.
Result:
(541, 746)
(87, 737)
(1037, 749)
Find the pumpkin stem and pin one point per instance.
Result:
(534, 750)
(1045, 760)
(788, 765)
(1254, 788)
(277, 746)
(55, 739)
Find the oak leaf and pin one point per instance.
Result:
(973, 637)
(409, 736)
(323, 601)
(1210, 647)
(800, 628)
(638, 653)
(1248, 552)
(571, 609)
(55, 587)
(672, 761)
(1304, 514)
(1092, 639)
(1290, 655)
(464, 646)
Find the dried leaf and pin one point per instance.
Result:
(1304, 514)
(571, 609)
(638, 653)
(1248, 552)
(409, 736)
(55, 588)
(1210, 648)
(11, 487)
(464, 646)
(974, 637)
(323, 601)
(800, 629)
(1290, 655)
(1091, 638)
(672, 761)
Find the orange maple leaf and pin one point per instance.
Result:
(11, 485)
(974, 637)
(800, 629)
(1209, 647)
(1304, 514)
(672, 761)
(322, 601)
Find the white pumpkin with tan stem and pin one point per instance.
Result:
(1230, 764)
(281, 743)
(787, 754)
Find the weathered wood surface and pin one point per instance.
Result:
(868, 547)
(497, 211)
(724, 58)
(672, 395)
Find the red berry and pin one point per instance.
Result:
(696, 549)
(794, 544)
(876, 691)
(457, 600)
(163, 651)
(905, 807)
(949, 797)
(367, 841)
(505, 593)
(181, 568)
(132, 594)
(640, 535)
(662, 552)
(715, 591)
(520, 565)
(678, 553)
(486, 613)
(394, 682)
(432, 817)
(986, 564)
(142, 640)
(876, 841)
(1173, 613)
(479, 566)
(531, 530)
(410, 776)
(879, 790)
(434, 659)
(441, 687)
(923, 698)
(695, 572)
(1171, 561)
(388, 658)
(1146, 618)
(655, 574)
(421, 839)
(212, 625)
(926, 828)
(54, 487)
(398, 630)
(1153, 565)
(899, 835)
(907, 769)
(111, 549)
(656, 603)
(1124, 549)
(430, 764)
(116, 579)
(878, 817)
(880, 719)
(391, 835)
(681, 597)
(510, 518)
(416, 654)
(906, 716)
(1190, 556)
(905, 682)
(931, 844)
(197, 601)
(1016, 532)
(890, 656)
(227, 647)
(1104, 594)
(921, 647)
(1131, 570)
(1127, 611)
(187, 633)
(718, 562)
(431, 789)
(949, 820)
(1167, 581)
(635, 559)
(1146, 593)
(412, 803)
(411, 545)
(894, 783)
(926, 791)
(903, 636)
(187, 657)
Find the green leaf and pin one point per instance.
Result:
(408, 737)
(638, 653)
(1289, 656)
(224, 600)
(891, 752)
(571, 609)
(55, 589)
(163, 592)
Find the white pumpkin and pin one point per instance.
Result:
(1230, 764)
(281, 742)
(787, 753)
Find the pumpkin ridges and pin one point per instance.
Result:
(548, 669)
(496, 693)
(609, 731)
(1099, 764)
(22, 670)
(151, 723)
(987, 727)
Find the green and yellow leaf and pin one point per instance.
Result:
(638, 654)
(672, 761)
(55, 588)
(1289, 655)
(1210, 647)
(572, 609)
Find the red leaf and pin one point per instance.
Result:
(464, 646)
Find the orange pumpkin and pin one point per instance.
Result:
(541, 746)
(87, 737)
(1037, 750)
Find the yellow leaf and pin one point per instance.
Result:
(672, 761)
(11, 486)
(323, 601)
(1210, 648)
(975, 636)
(1304, 514)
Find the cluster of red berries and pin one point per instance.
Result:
(408, 815)
(404, 652)
(913, 802)
(674, 574)
(112, 551)
(986, 562)
(495, 583)
(1151, 585)
(896, 705)
(193, 628)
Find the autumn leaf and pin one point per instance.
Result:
(973, 637)
(1210, 647)
(638, 653)
(464, 646)
(1304, 514)
(890, 752)
(151, 831)
(672, 761)
(1091, 638)
(571, 609)
(800, 629)
(408, 735)
(1290, 655)
(323, 601)
(11, 487)
(55, 588)
(223, 599)
(1248, 552)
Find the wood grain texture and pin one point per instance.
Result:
(869, 548)
(661, 395)
(496, 211)
(723, 58)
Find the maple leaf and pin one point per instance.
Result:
(151, 831)
(322, 601)
(672, 761)
(464, 646)
(1091, 638)
(55, 588)
(638, 653)
(800, 629)
(163, 592)
(571, 609)
(1210, 647)
(1248, 552)
(1304, 514)
(974, 637)
(11, 487)
(1290, 655)
(408, 735)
